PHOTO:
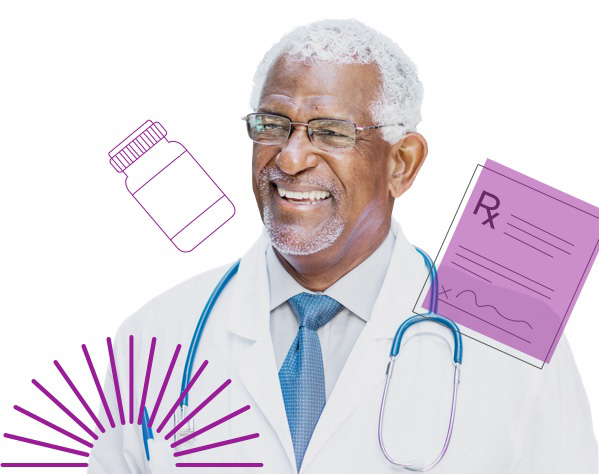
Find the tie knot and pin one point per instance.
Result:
(314, 311)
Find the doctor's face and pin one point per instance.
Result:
(348, 188)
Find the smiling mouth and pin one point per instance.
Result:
(313, 196)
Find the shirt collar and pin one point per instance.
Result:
(356, 290)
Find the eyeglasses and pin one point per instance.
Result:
(326, 134)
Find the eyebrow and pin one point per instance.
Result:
(272, 112)
(268, 110)
(274, 103)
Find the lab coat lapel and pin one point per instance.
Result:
(363, 372)
(255, 361)
(365, 368)
(406, 278)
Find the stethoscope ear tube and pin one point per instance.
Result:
(431, 315)
(457, 359)
(457, 335)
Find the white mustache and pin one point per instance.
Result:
(271, 174)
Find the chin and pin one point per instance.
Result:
(293, 239)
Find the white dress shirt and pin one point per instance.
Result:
(357, 291)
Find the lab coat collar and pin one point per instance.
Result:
(403, 282)
(250, 292)
(356, 290)
(406, 277)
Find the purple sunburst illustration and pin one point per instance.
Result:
(137, 415)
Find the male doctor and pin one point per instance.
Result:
(304, 329)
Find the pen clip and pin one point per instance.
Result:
(147, 432)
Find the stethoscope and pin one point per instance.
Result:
(181, 414)
(457, 360)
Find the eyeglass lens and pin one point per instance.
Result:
(269, 129)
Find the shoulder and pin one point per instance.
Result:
(176, 306)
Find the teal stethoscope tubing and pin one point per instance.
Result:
(193, 348)
(457, 359)
(431, 315)
(195, 342)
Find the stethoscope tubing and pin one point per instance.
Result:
(197, 335)
(431, 315)
(457, 359)
(454, 399)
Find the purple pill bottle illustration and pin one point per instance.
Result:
(171, 186)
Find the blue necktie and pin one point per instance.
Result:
(302, 373)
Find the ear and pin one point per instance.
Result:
(405, 159)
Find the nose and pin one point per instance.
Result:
(298, 153)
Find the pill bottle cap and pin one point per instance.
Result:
(136, 144)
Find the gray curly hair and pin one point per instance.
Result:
(349, 42)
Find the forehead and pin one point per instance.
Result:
(325, 90)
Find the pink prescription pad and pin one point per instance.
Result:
(514, 261)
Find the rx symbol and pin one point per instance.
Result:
(444, 292)
(488, 207)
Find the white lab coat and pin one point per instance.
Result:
(511, 418)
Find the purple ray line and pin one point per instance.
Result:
(198, 408)
(146, 382)
(182, 396)
(65, 409)
(216, 445)
(53, 426)
(43, 464)
(131, 379)
(79, 396)
(98, 386)
(210, 426)
(46, 445)
(115, 377)
(164, 384)
(219, 464)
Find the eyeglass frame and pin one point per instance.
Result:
(308, 129)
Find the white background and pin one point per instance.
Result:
(513, 81)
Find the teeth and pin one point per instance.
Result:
(312, 195)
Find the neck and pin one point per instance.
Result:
(319, 271)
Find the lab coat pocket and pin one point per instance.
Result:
(161, 457)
